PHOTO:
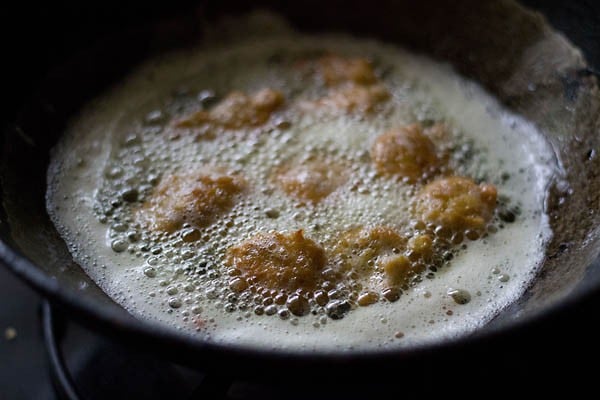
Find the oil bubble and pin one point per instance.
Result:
(460, 296)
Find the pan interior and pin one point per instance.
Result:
(515, 55)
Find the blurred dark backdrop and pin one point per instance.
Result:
(37, 36)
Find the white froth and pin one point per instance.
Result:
(421, 90)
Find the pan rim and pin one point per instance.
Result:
(92, 314)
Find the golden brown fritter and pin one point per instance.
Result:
(352, 86)
(237, 110)
(381, 250)
(406, 152)
(279, 261)
(337, 70)
(312, 181)
(420, 248)
(193, 198)
(456, 203)
(398, 269)
(367, 251)
(351, 99)
(373, 241)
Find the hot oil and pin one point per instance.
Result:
(118, 150)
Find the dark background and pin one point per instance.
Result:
(39, 36)
(561, 353)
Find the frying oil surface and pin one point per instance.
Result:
(147, 253)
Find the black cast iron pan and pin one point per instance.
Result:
(511, 51)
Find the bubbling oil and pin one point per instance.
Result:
(124, 144)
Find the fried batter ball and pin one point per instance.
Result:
(456, 203)
(360, 247)
(353, 86)
(353, 99)
(406, 152)
(381, 250)
(337, 70)
(237, 110)
(397, 269)
(372, 241)
(279, 261)
(311, 182)
(193, 198)
(420, 247)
